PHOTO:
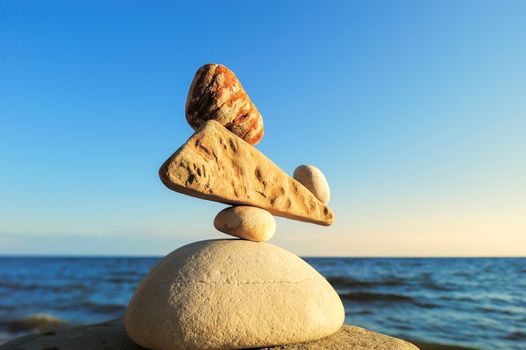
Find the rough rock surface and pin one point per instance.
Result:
(217, 94)
(312, 178)
(231, 294)
(111, 336)
(352, 338)
(102, 336)
(254, 224)
(217, 165)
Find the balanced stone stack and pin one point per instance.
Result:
(231, 293)
(235, 293)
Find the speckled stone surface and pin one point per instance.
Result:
(232, 294)
(312, 178)
(217, 94)
(251, 223)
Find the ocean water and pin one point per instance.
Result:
(479, 303)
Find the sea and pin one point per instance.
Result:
(478, 303)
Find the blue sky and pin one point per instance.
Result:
(415, 111)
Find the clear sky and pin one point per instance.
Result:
(414, 110)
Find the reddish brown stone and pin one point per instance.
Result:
(216, 94)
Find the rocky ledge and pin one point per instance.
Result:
(111, 336)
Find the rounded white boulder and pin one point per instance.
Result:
(314, 180)
(254, 224)
(231, 294)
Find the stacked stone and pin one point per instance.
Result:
(235, 294)
(256, 224)
(217, 94)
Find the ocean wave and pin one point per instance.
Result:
(7, 285)
(36, 323)
(507, 310)
(122, 280)
(103, 308)
(517, 335)
(459, 298)
(133, 273)
(371, 296)
(428, 282)
(424, 281)
(350, 282)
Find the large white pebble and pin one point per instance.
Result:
(231, 294)
(254, 224)
(312, 178)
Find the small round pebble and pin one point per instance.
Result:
(251, 223)
(312, 178)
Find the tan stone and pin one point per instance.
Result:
(231, 294)
(111, 336)
(102, 336)
(312, 178)
(215, 164)
(217, 94)
(254, 224)
(352, 338)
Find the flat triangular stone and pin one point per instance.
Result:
(217, 165)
